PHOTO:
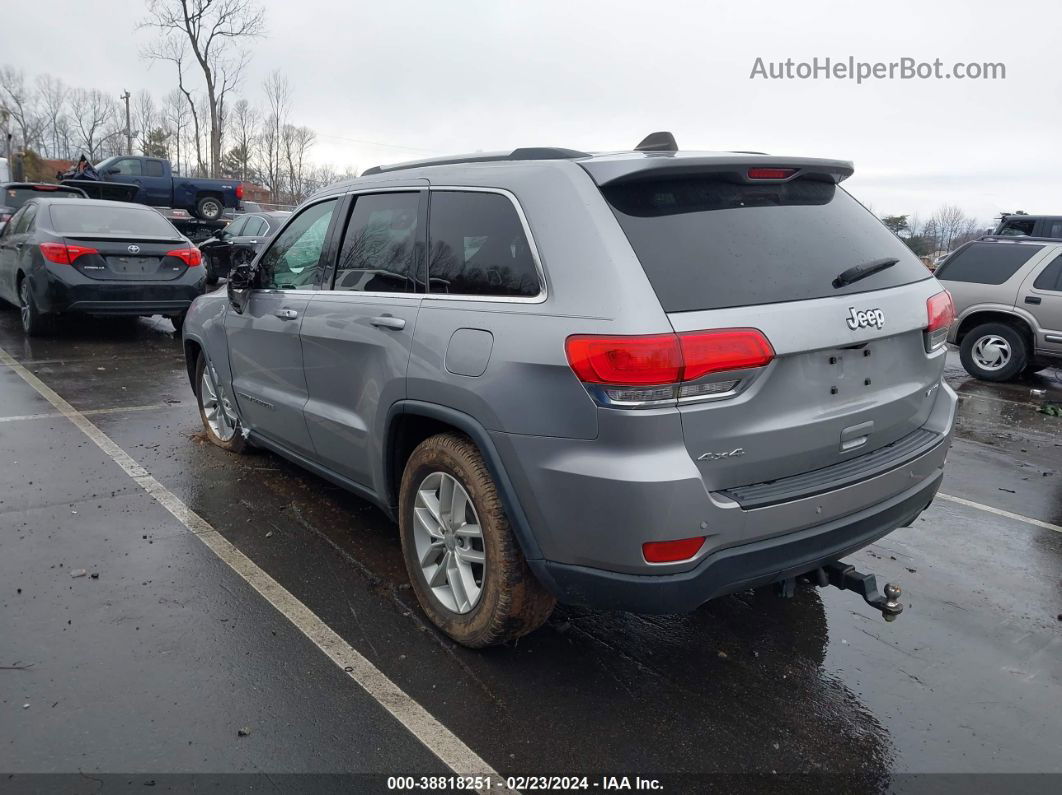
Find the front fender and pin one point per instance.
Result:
(204, 328)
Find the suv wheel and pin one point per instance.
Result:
(994, 352)
(464, 563)
(220, 422)
(34, 322)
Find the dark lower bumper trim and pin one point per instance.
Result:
(737, 568)
(129, 307)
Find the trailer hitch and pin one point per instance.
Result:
(844, 576)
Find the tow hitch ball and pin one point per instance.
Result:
(844, 576)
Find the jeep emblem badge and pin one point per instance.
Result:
(865, 318)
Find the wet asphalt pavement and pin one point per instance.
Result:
(159, 662)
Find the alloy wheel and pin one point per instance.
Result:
(449, 542)
(215, 409)
(23, 303)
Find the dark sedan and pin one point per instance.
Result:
(68, 256)
(238, 242)
(14, 194)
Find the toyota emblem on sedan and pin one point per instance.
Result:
(134, 249)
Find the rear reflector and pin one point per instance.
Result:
(771, 173)
(659, 359)
(62, 254)
(940, 311)
(671, 551)
(190, 256)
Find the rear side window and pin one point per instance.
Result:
(152, 168)
(707, 243)
(478, 247)
(986, 263)
(1055, 230)
(380, 247)
(255, 226)
(1050, 278)
(92, 218)
(1016, 228)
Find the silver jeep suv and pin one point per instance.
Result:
(636, 380)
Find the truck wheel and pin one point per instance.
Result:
(209, 208)
(464, 563)
(34, 322)
(994, 352)
(220, 422)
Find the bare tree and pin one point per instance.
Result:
(145, 117)
(278, 100)
(53, 98)
(214, 31)
(296, 145)
(176, 113)
(244, 120)
(93, 113)
(20, 102)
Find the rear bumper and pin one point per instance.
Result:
(67, 291)
(736, 568)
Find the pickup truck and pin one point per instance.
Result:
(157, 187)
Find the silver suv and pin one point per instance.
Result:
(636, 380)
(1008, 295)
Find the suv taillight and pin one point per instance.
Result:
(663, 368)
(940, 310)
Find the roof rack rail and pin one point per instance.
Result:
(1017, 239)
(523, 153)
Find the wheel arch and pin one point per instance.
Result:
(979, 317)
(409, 422)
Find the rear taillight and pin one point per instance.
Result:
(671, 551)
(190, 256)
(62, 254)
(661, 368)
(239, 190)
(771, 173)
(940, 311)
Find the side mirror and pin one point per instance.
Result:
(241, 282)
(113, 171)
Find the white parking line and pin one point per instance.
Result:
(421, 723)
(1000, 512)
(89, 412)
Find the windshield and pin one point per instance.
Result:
(707, 243)
(106, 219)
(16, 197)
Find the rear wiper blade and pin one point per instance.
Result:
(857, 272)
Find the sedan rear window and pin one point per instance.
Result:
(15, 197)
(91, 218)
(986, 263)
(706, 243)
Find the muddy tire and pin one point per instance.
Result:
(994, 352)
(508, 601)
(226, 433)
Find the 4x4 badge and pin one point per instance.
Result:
(868, 317)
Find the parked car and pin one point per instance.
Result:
(14, 194)
(1008, 296)
(68, 256)
(1016, 225)
(156, 186)
(636, 380)
(237, 243)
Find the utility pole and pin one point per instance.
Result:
(128, 125)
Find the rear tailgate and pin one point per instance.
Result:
(758, 243)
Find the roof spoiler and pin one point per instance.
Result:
(733, 167)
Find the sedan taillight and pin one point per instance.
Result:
(190, 256)
(63, 254)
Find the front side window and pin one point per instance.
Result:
(291, 263)
(380, 248)
(478, 247)
(126, 168)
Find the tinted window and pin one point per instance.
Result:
(380, 248)
(236, 227)
(1050, 278)
(708, 243)
(291, 262)
(255, 226)
(91, 218)
(16, 197)
(478, 247)
(152, 168)
(22, 223)
(986, 263)
(1016, 228)
(1056, 229)
(128, 168)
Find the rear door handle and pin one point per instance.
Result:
(387, 321)
(286, 314)
(1032, 299)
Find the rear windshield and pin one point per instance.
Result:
(708, 244)
(16, 197)
(986, 263)
(104, 219)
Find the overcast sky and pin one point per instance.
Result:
(402, 79)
